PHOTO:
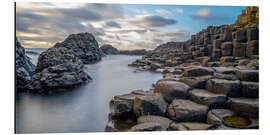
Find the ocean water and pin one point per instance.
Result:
(86, 108)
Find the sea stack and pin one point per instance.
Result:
(61, 66)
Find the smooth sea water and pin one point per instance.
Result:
(84, 109)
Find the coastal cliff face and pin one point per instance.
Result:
(62, 65)
(24, 67)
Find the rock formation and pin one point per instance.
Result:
(109, 49)
(134, 52)
(61, 66)
(211, 79)
(24, 67)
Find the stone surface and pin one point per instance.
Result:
(186, 110)
(197, 71)
(248, 75)
(24, 67)
(150, 105)
(163, 121)
(171, 90)
(216, 116)
(213, 101)
(195, 82)
(250, 89)
(225, 76)
(245, 107)
(222, 86)
(225, 70)
(148, 126)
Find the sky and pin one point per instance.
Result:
(124, 26)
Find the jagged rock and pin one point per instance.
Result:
(24, 67)
(67, 75)
(239, 49)
(197, 71)
(171, 90)
(221, 86)
(186, 110)
(62, 65)
(247, 107)
(248, 75)
(109, 49)
(56, 56)
(149, 105)
(148, 126)
(250, 89)
(83, 45)
(213, 101)
(225, 70)
(163, 121)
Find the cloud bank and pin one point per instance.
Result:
(44, 24)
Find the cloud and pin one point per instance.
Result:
(202, 13)
(113, 24)
(207, 15)
(54, 23)
(163, 11)
(153, 21)
(179, 10)
(42, 25)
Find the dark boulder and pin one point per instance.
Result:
(24, 67)
(62, 65)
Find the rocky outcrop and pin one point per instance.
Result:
(134, 52)
(109, 49)
(209, 82)
(24, 67)
(62, 65)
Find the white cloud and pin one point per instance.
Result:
(179, 10)
(163, 11)
(41, 26)
(204, 12)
